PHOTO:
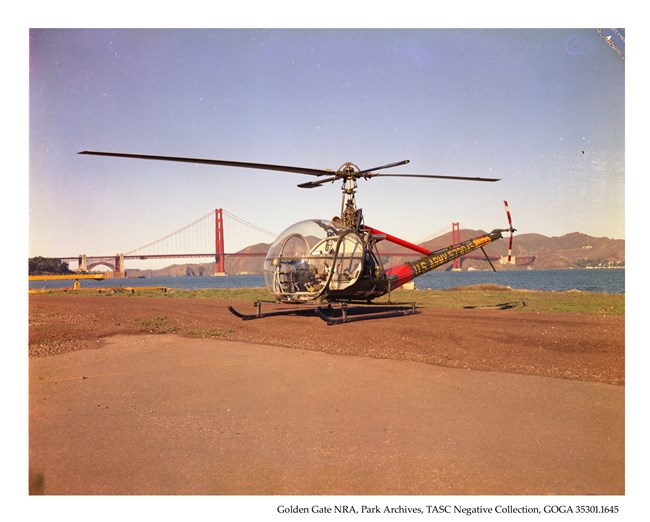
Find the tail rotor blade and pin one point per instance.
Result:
(511, 231)
(505, 203)
(510, 248)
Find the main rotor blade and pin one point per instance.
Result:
(462, 178)
(396, 164)
(319, 183)
(241, 164)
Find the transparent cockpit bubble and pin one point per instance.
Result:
(311, 258)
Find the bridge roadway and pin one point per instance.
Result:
(160, 414)
(159, 256)
(116, 262)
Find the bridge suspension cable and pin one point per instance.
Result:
(199, 236)
(172, 234)
(436, 234)
(244, 222)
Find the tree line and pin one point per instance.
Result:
(48, 266)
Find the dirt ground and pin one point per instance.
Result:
(161, 395)
(584, 347)
(170, 415)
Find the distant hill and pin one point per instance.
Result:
(574, 250)
(248, 264)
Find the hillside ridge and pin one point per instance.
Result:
(572, 250)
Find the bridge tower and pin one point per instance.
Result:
(220, 268)
(455, 240)
(83, 263)
(119, 266)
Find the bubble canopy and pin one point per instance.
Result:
(312, 258)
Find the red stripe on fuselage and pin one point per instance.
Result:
(398, 241)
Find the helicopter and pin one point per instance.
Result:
(321, 262)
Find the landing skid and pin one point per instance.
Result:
(333, 315)
(297, 310)
(347, 314)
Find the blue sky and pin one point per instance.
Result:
(544, 110)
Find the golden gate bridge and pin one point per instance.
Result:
(208, 236)
(204, 237)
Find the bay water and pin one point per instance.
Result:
(610, 281)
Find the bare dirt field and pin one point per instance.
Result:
(586, 347)
(176, 396)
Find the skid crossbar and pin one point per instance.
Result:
(339, 313)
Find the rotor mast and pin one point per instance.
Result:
(350, 216)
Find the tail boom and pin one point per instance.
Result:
(401, 274)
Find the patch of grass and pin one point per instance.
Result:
(236, 294)
(158, 325)
(215, 332)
